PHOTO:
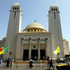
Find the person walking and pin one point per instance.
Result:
(0, 63)
(51, 65)
(31, 64)
(12, 62)
(7, 63)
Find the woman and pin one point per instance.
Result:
(31, 63)
(8, 61)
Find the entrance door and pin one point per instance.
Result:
(34, 53)
(42, 54)
(25, 54)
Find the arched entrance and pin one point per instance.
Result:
(34, 53)
(42, 54)
(25, 54)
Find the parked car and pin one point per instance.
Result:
(67, 57)
(60, 60)
(63, 67)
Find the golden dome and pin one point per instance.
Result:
(34, 27)
(16, 4)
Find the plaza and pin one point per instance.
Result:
(25, 66)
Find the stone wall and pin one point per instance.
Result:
(66, 47)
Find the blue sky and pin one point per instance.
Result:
(36, 10)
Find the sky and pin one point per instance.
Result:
(36, 10)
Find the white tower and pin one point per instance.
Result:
(14, 27)
(55, 29)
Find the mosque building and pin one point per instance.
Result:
(34, 40)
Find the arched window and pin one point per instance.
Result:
(52, 9)
(17, 8)
(56, 9)
(54, 15)
(14, 14)
(13, 8)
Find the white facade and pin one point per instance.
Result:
(39, 40)
(55, 28)
(14, 27)
(66, 47)
(34, 40)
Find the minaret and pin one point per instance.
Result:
(14, 27)
(55, 29)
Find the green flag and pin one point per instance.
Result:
(6, 49)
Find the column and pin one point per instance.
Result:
(29, 48)
(38, 48)
(46, 47)
(22, 56)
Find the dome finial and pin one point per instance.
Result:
(16, 4)
(53, 4)
(35, 21)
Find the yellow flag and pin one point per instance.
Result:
(58, 50)
(2, 51)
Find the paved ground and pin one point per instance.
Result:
(21, 69)
(37, 66)
(24, 69)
